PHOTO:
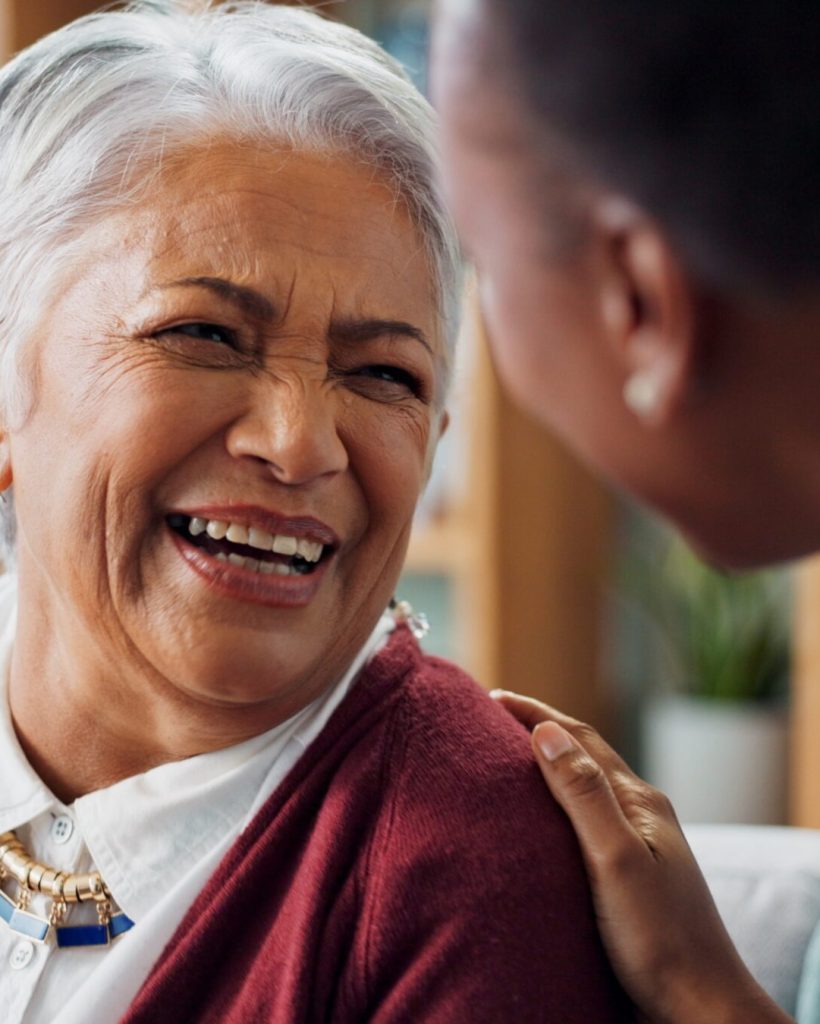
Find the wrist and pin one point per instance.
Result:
(759, 1010)
(746, 1003)
(723, 1000)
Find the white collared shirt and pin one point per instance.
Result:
(156, 838)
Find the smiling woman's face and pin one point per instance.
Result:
(257, 346)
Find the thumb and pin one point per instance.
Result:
(581, 787)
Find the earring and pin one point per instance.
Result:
(642, 394)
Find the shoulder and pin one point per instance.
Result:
(448, 754)
(464, 747)
(474, 864)
(458, 742)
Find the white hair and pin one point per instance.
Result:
(88, 113)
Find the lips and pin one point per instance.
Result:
(253, 554)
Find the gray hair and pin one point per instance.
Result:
(88, 112)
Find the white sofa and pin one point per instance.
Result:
(766, 883)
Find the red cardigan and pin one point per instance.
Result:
(410, 868)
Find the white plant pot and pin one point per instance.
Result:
(718, 762)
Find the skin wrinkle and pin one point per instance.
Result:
(156, 427)
(347, 330)
(375, 176)
(98, 494)
(252, 302)
(114, 364)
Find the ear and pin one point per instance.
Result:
(6, 476)
(443, 424)
(648, 310)
(439, 429)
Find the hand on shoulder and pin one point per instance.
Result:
(656, 916)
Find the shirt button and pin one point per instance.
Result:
(61, 829)
(21, 955)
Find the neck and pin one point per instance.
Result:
(87, 717)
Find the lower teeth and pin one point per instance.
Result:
(257, 565)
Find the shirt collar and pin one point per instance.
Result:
(144, 833)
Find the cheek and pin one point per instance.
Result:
(99, 452)
(547, 345)
(521, 341)
(389, 456)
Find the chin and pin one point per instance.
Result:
(741, 551)
(219, 677)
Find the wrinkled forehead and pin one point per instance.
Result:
(271, 219)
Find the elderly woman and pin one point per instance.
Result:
(231, 787)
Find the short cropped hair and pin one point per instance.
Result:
(88, 113)
(703, 112)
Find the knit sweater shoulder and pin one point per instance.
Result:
(411, 867)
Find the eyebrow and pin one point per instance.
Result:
(255, 304)
(365, 330)
(247, 299)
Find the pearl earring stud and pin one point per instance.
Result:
(641, 394)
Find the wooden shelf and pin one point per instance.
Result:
(445, 546)
(805, 698)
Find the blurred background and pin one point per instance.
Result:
(535, 578)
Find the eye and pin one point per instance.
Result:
(204, 332)
(384, 381)
(392, 375)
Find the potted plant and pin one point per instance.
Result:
(715, 735)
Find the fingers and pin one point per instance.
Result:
(552, 741)
(531, 712)
(611, 807)
(527, 710)
(581, 787)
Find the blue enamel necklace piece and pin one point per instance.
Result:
(64, 890)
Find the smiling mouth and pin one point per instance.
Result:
(250, 547)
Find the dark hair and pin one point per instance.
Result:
(703, 112)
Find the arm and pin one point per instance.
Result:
(656, 916)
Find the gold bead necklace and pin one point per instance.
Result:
(63, 889)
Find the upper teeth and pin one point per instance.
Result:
(255, 537)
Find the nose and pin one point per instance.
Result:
(291, 426)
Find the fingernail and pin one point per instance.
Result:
(495, 694)
(552, 740)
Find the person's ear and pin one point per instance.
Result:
(648, 311)
(443, 423)
(440, 425)
(6, 475)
